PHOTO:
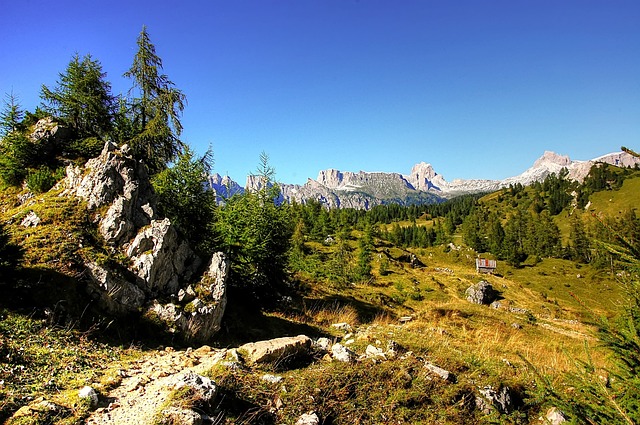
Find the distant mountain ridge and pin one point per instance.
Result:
(363, 190)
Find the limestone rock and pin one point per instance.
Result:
(117, 188)
(160, 258)
(115, 179)
(323, 344)
(374, 352)
(342, 353)
(48, 133)
(442, 373)
(204, 387)
(272, 379)
(500, 400)
(554, 417)
(30, 220)
(23, 198)
(88, 393)
(481, 293)
(343, 327)
(114, 292)
(310, 418)
(276, 349)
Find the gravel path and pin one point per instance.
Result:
(146, 385)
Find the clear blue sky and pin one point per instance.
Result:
(478, 88)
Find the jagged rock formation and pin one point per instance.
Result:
(223, 187)
(118, 191)
(363, 190)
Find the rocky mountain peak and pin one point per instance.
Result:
(550, 157)
(330, 178)
(424, 177)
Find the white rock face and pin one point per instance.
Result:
(161, 261)
(115, 179)
(203, 315)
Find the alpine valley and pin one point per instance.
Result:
(423, 185)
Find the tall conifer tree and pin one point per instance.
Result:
(155, 112)
(82, 97)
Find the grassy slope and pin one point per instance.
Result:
(478, 343)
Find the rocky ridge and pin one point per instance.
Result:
(364, 190)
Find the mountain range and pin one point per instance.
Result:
(364, 190)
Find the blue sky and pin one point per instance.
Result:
(479, 89)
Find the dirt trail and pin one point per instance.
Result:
(147, 384)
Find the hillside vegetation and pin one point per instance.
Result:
(388, 298)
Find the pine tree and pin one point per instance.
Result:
(82, 98)
(155, 112)
(365, 248)
(578, 240)
(184, 198)
(11, 115)
(256, 233)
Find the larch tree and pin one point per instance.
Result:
(82, 98)
(155, 110)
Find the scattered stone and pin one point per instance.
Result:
(203, 386)
(373, 352)
(276, 349)
(88, 393)
(405, 319)
(342, 353)
(496, 304)
(24, 197)
(176, 415)
(518, 310)
(481, 293)
(516, 325)
(442, 373)
(343, 327)
(30, 220)
(554, 417)
(500, 400)
(202, 350)
(323, 344)
(272, 379)
(310, 418)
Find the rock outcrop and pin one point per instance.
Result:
(117, 182)
(275, 349)
(160, 265)
(481, 293)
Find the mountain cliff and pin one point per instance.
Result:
(363, 190)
